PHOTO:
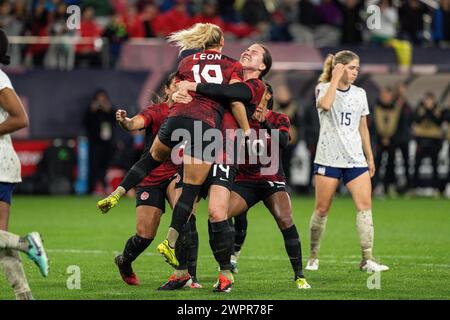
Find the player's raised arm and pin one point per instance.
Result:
(17, 118)
(333, 74)
(135, 123)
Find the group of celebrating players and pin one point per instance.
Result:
(211, 91)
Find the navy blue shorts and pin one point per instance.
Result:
(347, 174)
(6, 191)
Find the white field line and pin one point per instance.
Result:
(346, 259)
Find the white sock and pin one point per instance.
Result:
(364, 225)
(15, 275)
(10, 240)
(317, 226)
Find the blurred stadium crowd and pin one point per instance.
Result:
(409, 112)
(315, 22)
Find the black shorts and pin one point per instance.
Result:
(188, 130)
(254, 191)
(219, 175)
(154, 196)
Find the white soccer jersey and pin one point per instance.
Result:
(9, 161)
(339, 142)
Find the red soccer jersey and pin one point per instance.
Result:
(206, 67)
(257, 88)
(154, 116)
(229, 127)
(263, 144)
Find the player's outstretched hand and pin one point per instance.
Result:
(121, 115)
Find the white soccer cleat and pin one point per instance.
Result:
(312, 265)
(372, 266)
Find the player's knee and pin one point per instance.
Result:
(147, 231)
(217, 213)
(322, 208)
(285, 221)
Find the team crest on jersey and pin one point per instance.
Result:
(144, 195)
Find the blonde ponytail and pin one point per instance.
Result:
(327, 68)
(344, 57)
(199, 36)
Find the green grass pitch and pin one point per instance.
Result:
(411, 236)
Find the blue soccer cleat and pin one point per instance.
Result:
(37, 253)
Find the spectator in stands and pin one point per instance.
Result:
(306, 17)
(428, 135)
(175, 19)
(133, 23)
(279, 28)
(60, 54)
(329, 18)
(88, 54)
(227, 11)
(209, 14)
(411, 21)
(387, 29)
(256, 14)
(101, 7)
(403, 134)
(441, 24)
(116, 33)
(38, 26)
(99, 122)
(387, 117)
(352, 22)
(150, 21)
(13, 24)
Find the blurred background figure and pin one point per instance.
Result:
(87, 55)
(311, 127)
(387, 116)
(403, 135)
(428, 135)
(285, 104)
(99, 122)
(441, 24)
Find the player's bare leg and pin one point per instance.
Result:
(279, 205)
(325, 190)
(11, 263)
(361, 191)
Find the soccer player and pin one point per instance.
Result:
(153, 190)
(216, 188)
(343, 152)
(257, 61)
(201, 112)
(12, 118)
(252, 186)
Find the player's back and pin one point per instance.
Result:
(208, 66)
